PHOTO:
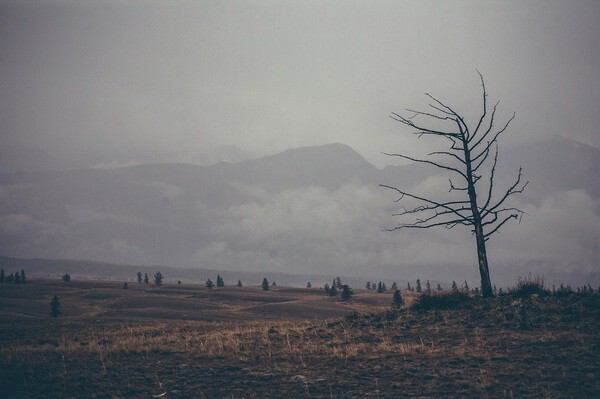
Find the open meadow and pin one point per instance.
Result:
(183, 341)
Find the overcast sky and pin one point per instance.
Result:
(111, 83)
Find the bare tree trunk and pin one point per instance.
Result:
(484, 271)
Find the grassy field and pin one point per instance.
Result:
(182, 341)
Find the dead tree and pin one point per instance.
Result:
(471, 158)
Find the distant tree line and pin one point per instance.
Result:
(13, 278)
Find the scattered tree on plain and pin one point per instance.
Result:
(454, 286)
(428, 288)
(66, 277)
(418, 285)
(239, 283)
(468, 154)
(273, 284)
(2, 276)
(326, 288)
(338, 283)
(346, 292)
(146, 279)
(332, 291)
(220, 281)
(23, 278)
(308, 285)
(178, 282)
(368, 285)
(139, 277)
(17, 278)
(10, 278)
(55, 307)
(466, 287)
(408, 287)
(158, 279)
(209, 284)
(265, 284)
(397, 300)
(125, 285)
(394, 286)
(439, 288)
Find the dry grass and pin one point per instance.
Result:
(505, 347)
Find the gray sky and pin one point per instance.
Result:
(110, 83)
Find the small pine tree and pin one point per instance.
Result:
(439, 288)
(384, 287)
(338, 283)
(495, 291)
(394, 286)
(454, 286)
(66, 277)
(2, 276)
(239, 283)
(146, 279)
(179, 282)
(158, 279)
(273, 284)
(428, 288)
(17, 278)
(10, 278)
(55, 307)
(408, 287)
(308, 285)
(418, 285)
(397, 300)
(326, 288)
(23, 278)
(333, 284)
(220, 282)
(346, 292)
(379, 288)
(125, 285)
(139, 277)
(368, 285)
(332, 291)
(466, 286)
(209, 284)
(265, 284)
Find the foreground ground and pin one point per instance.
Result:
(181, 341)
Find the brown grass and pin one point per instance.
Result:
(505, 347)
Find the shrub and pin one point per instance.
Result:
(442, 300)
(265, 284)
(528, 286)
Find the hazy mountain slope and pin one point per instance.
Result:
(303, 210)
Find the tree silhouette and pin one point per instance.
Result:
(55, 307)
(23, 277)
(265, 284)
(454, 286)
(158, 279)
(346, 292)
(66, 277)
(139, 277)
(418, 285)
(239, 283)
(308, 285)
(146, 279)
(394, 286)
(397, 300)
(1, 276)
(125, 285)
(368, 285)
(466, 159)
(428, 288)
(209, 284)
(326, 288)
(220, 281)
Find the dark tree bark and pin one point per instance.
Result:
(469, 154)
